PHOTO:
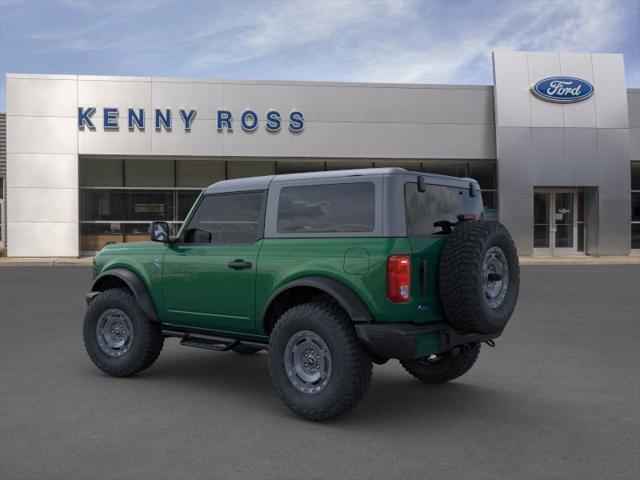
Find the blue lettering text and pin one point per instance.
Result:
(225, 119)
(296, 122)
(274, 124)
(136, 120)
(249, 120)
(187, 118)
(163, 120)
(84, 117)
(110, 117)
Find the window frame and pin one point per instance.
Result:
(187, 221)
(273, 202)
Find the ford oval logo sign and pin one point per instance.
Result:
(562, 89)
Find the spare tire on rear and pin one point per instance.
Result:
(479, 277)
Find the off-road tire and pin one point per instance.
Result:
(351, 364)
(445, 369)
(461, 281)
(147, 338)
(246, 350)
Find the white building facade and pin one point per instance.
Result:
(92, 160)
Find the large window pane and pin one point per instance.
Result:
(102, 172)
(227, 218)
(541, 208)
(239, 169)
(635, 175)
(149, 173)
(347, 207)
(635, 235)
(298, 166)
(489, 199)
(450, 168)
(411, 166)
(635, 206)
(136, 232)
(484, 173)
(185, 202)
(541, 236)
(94, 236)
(150, 205)
(102, 205)
(347, 164)
(199, 173)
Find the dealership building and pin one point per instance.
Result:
(554, 144)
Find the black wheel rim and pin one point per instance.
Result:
(114, 332)
(307, 361)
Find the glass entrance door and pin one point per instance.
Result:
(564, 223)
(555, 222)
(541, 223)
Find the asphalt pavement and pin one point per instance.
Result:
(557, 398)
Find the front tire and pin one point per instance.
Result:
(120, 340)
(318, 367)
(440, 370)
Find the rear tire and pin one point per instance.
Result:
(119, 338)
(318, 367)
(447, 368)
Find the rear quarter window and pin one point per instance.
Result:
(339, 208)
(437, 203)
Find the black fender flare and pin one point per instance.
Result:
(135, 284)
(345, 296)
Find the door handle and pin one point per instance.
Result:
(238, 264)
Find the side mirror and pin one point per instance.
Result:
(159, 232)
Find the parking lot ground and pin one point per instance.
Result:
(558, 398)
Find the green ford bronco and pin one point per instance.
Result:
(329, 271)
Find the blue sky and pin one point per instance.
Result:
(342, 40)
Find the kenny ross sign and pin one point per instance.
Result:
(162, 119)
(562, 89)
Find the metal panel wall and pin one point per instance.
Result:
(42, 166)
(342, 120)
(542, 144)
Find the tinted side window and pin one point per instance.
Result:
(227, 218)
(423, 209)
(343, 207)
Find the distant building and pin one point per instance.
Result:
(554, 143)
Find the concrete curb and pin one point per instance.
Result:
(46, 262)
(581, 260)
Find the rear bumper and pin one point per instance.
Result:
(405, 341)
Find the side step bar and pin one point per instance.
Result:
(221, 345)
(210, 342)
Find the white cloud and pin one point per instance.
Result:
(293, 24)
(571, 25)
(348, 40)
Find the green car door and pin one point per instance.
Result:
(209, 274)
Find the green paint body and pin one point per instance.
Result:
(192, 287)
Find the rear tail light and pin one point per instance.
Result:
(398, 278)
